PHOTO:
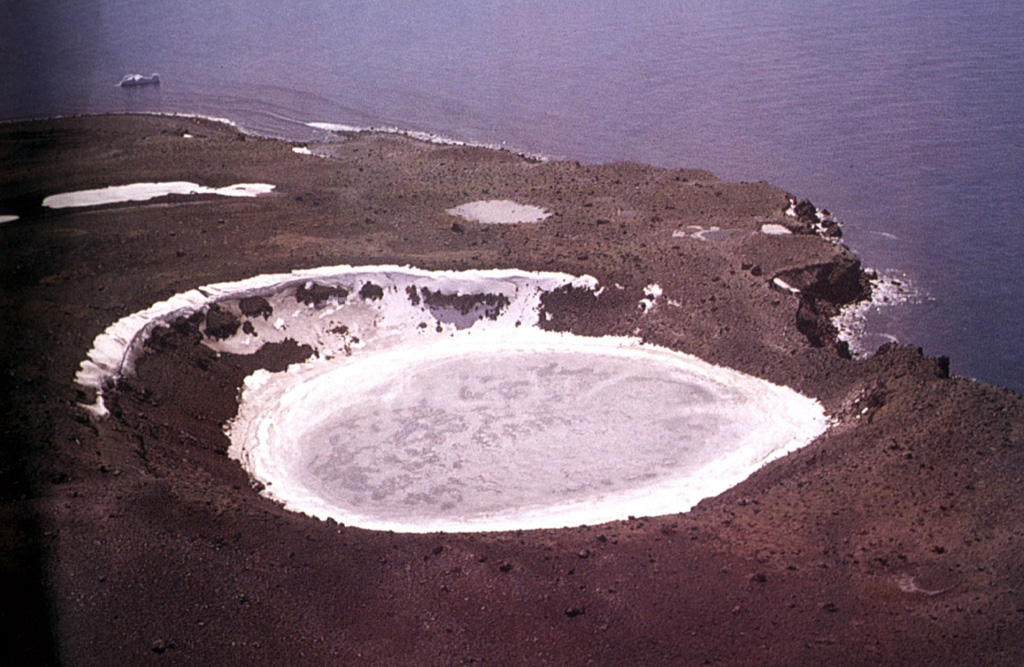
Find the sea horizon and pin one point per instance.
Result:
(902, 122)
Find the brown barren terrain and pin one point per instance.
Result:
(895, 538)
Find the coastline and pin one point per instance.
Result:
(139, 535)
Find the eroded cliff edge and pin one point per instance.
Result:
(892, 539)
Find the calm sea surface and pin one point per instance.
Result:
(905, 120)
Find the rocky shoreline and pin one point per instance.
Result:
(892, 539)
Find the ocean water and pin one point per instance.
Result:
(905, 121)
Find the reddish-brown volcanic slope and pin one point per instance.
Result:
(895, 538)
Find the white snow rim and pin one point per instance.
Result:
(436, 402)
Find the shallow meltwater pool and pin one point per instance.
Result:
(435, 402)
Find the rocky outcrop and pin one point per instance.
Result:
(255, 306)
(838, 282)
(371, 292)
(317, 295)
(490, 305)
(823, 289)
(221, 324)
(806, 218)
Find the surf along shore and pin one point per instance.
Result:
(894, 538)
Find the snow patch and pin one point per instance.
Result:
(146, 191)
(783, 285)
(775, 229)
(7, 218)
(499, 212)
(712, 233)
(650, 297)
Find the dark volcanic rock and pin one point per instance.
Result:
(317, 295)
(838, 282)
(806, 212)
(371, 292)
(221, 323)
(812, 323)
(255, 306)
(491, 305)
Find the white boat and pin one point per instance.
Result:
(139, 80)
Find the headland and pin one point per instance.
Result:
(893, 538)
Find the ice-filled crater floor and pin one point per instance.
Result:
(435, 401)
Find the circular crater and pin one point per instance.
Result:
(538, 430)
(435, 401)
